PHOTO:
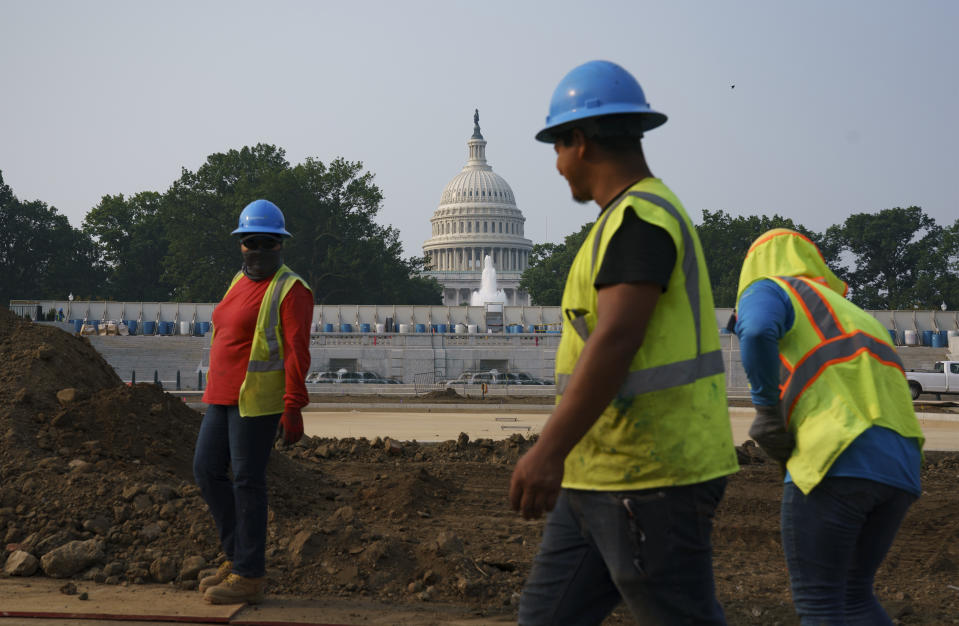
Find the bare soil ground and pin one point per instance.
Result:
(407, 524)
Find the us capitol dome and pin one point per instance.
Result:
(477, 216)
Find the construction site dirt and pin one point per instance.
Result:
(96, 487)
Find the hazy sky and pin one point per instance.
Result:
(838, 107)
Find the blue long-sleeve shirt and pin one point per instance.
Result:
(764, 315)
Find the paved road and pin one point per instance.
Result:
(942, 430)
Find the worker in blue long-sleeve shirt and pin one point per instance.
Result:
(833, 408)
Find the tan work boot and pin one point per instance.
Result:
(221, 573)
(237, 589)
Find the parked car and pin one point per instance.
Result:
(470, 378)
(344, 376)
(944, 378)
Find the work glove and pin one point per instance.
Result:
(770, 432)
(291, 427)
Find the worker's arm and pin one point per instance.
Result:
(764, 315)
(622, 315)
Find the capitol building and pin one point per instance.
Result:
(477, 216)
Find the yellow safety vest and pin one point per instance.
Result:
(840, 372)
(669, 423)
(265, 382)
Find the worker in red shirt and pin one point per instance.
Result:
(259, 357)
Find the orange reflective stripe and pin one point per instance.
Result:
(830, 352)
(793, 233)
(817, 309)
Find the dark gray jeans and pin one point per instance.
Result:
(227, 442)
(649, 548)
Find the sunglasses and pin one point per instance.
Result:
(255, 243)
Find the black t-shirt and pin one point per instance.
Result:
(637, 252)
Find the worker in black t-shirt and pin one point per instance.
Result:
(633, 461)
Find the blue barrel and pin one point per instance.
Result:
(364, 328)
(531, 329)
(939, 341)
(327, 328)
(132, 327)
(892, 336)
(148, 328)
(165, 328)
(77, 325)
(346, 328)
(202, 328)
(927, 337)
(421, 328)
(441, 328)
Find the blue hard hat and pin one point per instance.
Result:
(261, 216)
(595, 89)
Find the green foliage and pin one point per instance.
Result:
(726, 239)
(41, 255)
(545, 277)
(177, 245)
(133, 243)
(899, 259)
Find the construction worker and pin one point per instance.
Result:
(834, 409)
(259, 358)
(632, 462)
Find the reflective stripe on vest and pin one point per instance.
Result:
(274, 361)
(836, 346)
(672, 374)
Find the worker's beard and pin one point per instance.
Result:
(261, 264)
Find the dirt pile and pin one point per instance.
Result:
(95, 484)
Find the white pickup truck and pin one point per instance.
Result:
(944, 378)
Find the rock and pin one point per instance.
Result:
(79, 466)
(163, 569)
(45, 352)
(415, 587)
(99, 525)
(142, 503)
(393, 448)
(22, 396)
(344, 514)
(131, 492)
(69, 395)
(161, 493)
(114, 568)
(306, 546)
(51, 542)
(69, 589)
(21, 563)
(150, 532)
(72, 558)
(463, 440)
(448, 543)
(122, 512)
(191, 568)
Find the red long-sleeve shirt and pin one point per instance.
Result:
(234, 321)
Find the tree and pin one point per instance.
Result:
(200, 210)
(896, 259)
(726, 239)
(41, 254)
(133, 243)
(344, 255)
(545, 277)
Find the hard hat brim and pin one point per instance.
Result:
(647, 120)
(282, 232)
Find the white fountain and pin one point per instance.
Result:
(487, 291)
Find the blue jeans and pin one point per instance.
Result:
(834, 540)
(650, 548)
(227, 441)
